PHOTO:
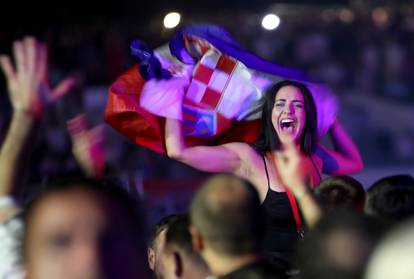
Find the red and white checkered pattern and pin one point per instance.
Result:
(222, 84)
(210, 78)
(215, 81)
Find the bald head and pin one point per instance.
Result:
(226, 211)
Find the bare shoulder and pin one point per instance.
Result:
(242, 149)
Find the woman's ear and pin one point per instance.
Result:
(197, 239)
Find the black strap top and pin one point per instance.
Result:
(277, 206)
(281, 234)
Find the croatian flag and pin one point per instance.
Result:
(206, 80)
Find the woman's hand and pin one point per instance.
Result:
(293, 168)
(27, 83)
(29, 94)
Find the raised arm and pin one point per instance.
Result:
(345, 158)
(29, 93)
(220, 158)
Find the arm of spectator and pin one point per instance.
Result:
(29, 94)
(222, 158)
(294, 171)
(345, 157)
(88, 146)
(12, 159)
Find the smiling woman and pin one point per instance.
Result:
(289, 114)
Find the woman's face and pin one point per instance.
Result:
(288, 114)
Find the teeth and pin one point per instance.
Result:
(287, 121)
(287, 124)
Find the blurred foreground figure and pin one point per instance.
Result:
(391, 198)
(339, 246)
(156, 246)
(340, 191)
(30, 95)
(394, 256)
(83, 229)
(182, 262)
(88, 146)
(228, 228)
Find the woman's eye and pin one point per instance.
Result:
(279, 105)
(59, 241)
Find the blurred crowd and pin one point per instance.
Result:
(111, 225)
(366, 60)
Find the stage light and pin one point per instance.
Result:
(270, 22)
(380, 16)
(346, 15)
(171, 20)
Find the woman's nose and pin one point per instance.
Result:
(289, 109)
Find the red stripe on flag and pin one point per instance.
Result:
(203, 73)
(226, 64)
(211, 97)
(204, 49)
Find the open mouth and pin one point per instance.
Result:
(287, 125)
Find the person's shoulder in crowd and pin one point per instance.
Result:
(257, 270)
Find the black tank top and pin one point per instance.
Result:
(281, 234)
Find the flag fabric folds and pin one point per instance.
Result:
(215, 88)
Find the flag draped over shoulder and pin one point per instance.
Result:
(207, 81)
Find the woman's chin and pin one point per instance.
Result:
(286, 138)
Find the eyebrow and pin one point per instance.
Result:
(284, 100)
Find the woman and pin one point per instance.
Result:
(289, 114)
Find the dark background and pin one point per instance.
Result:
(364, 50)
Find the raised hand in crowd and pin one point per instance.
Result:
(87, 146)
(29, 93)
(27, 81)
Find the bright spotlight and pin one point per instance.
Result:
(171, 20)
(270, 22)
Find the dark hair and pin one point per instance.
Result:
(227, 212)
(178, 240)
(340, 191)
(178, 235)
(130, 206)
(391, 198)
(268, 139)
(163, 223)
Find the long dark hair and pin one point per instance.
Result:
(268, 139)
